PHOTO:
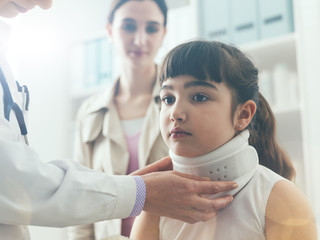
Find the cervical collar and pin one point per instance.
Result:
(233, 161)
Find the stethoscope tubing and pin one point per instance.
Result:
(9, 105)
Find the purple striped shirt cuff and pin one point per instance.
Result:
(141, 196)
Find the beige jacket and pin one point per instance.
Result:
(101, 145)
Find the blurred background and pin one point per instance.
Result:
(64, 56)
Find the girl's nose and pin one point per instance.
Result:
(178, 114)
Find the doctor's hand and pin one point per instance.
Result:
(164, 164)
(177, 195)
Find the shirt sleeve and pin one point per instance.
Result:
(141, 196)
(58, 193)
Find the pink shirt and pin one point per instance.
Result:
(132, 143)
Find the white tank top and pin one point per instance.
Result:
(244, 218)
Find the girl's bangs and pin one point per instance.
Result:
(202, 60)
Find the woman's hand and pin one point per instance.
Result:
(179, 195)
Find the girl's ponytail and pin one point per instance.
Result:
(263, 139)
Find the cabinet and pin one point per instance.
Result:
(298, 122)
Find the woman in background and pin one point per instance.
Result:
(118, 130)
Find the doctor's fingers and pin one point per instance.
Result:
(208, 208)
(204, 186)
(164, 164)
(205, 209)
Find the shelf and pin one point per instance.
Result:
(265, 53)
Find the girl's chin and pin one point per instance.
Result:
(187, 152)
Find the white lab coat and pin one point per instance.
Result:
(56, 194)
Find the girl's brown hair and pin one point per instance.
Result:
(118, 3)
(224, 63)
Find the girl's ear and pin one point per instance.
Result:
(245, 114)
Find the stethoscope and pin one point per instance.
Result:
(9, 104)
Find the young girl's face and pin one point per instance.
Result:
(137, 32)
(195, 115)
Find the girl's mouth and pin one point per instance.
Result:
(179, 133)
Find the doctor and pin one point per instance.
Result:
(55, 194)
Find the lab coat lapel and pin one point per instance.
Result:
(93, 116)
(150, 129)
(112, 128)
(93, 121)
(91, 126)
(117, 147)
(102, 119)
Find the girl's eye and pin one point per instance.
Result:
(200, 98)
(168, 100)
(152, 29)
(129, 27)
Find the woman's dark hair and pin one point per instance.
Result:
(118, 3)
(224, 63)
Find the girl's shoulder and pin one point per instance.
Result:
(288, 213)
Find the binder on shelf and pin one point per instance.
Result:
(275, 17)
(214, 18)
(244, 15)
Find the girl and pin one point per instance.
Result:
(217, 124)
(116, 128)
